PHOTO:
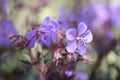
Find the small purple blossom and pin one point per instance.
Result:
(77, 39)
(69, 73)
(80, 75)
(45, 33)
(49, 27)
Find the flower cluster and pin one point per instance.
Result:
(63, 55)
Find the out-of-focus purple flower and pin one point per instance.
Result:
(116, 16)
(66, 19)
(69, 73)
(95, 15)
(77, 39)
(110, 35)
(99, 19)
(81, 76)
(4, 7)
(6, 30)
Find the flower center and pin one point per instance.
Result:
(78, 38)
(82, 40)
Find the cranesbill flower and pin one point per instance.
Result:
(49, 27)
(77, 39)
(33, 35)
(45, 33)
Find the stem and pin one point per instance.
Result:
(31, 57)
(42, 67)
(33, 60)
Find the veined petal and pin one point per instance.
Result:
(82, 49)
(87, 37)
(71, 46)
(30, 34)
(82, 27)
(71, 34)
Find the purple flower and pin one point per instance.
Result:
(77, 39)
(45, 33)
(34, 35)
(80, 75)
(49, 25)
(96, 15)
(4, 7)
(69, 73)
(66, 19)
(6, 30)
(50, 28)
(116, 16)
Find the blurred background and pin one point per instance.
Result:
(101, 16)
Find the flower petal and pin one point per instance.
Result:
(47, 20)
(88, 37)
(82, 27)
(40, 41)
(51, 27)
(71, 34)
(71, 46)
(55, 23)
(30, 34)
(54, 37)
(82, 49)
(42, 27)
(46, 40)
(32, 43)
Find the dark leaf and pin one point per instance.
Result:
(38, 55)
(26, 62)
